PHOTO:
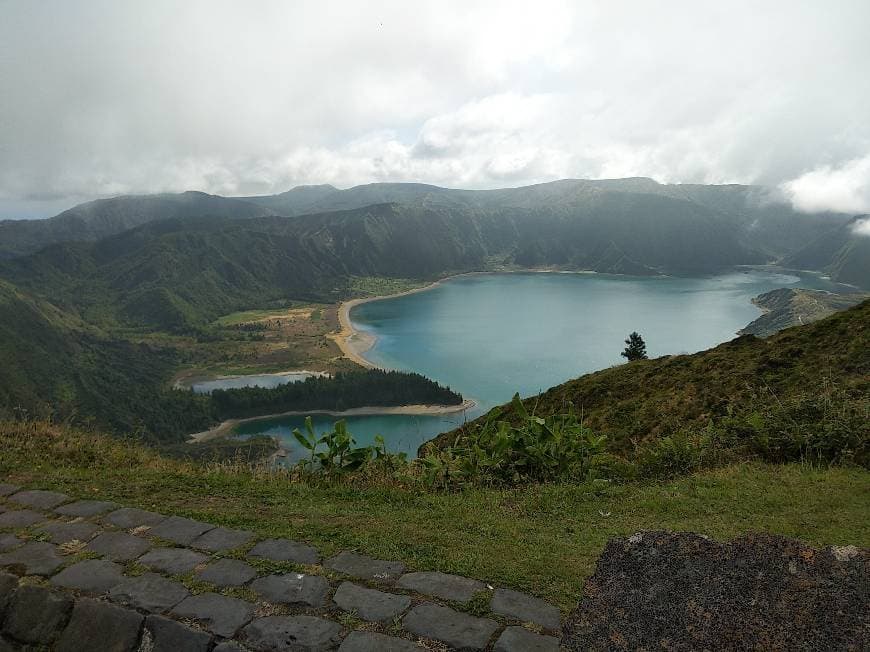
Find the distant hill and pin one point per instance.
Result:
(175, 273)
(842, 253)
(642, 400)
(104, 217)
(787, 307)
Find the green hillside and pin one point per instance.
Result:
(648, 399)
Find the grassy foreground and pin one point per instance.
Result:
(540, 538)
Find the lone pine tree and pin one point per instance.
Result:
(635, 348)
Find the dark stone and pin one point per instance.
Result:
(86, 508)
(370, 604)
(222, 539)
(91, 576)
(180, 530)
(34, 558)
(9, 541)
(228, 646)
(7, 489)
(66, 532)
(372, 641)
(756, 592)
(173, 561)
(149, 592)
(8, 646)
(457, 629)
(8, 584)
(128, 518)
(100, 626)
(119, 546)
(36, 615)
(526, 608)
(166, 635)
(519, 639)
(295, 633)
(285, 550)
(228, 572)
(20, 518)
(365, 568)
(219, 614)
(293, 588)
(442, 585)
(39, 499)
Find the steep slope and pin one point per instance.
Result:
(105, 217)
(842, 253)
(176, 273)
(787, 307)
(650, 398)
(54, 366)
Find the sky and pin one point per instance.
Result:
(100, 98)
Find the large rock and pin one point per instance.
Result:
(457, 629)
(36, 615)
(7, 489)
(86, 508)
(119, 546)
(370, 641)
(100, 626)
(20, 518)
(165, 635)
(295, 633)
(66, 532)
(526, 608)
(222, 539)
(519, 639)
(370, 604)
(173, 561)
(756, 592)
(8, 584)
(39, 499)
(128, 518)
(227, 572)
(9, 541)
(149, 592)
(180, 530)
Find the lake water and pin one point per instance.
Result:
(490, 335)
(235, 382)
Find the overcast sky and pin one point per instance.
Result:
(108, 97)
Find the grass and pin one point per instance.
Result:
(544, 539)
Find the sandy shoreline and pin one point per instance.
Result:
(225, 428)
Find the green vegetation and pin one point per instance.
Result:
(787, 307)
(797, 372)
(555, 530)
(635, 348)
(342, 391)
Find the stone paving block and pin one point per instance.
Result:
(180, 530)
(119, 546)
(457, 629)
(36, 615)
(302, 633)
(20, 518)
(370, 604)
(34, 557)
(66, 532)
(128, 518)
(7, 489)
(9, 541)
(228, 572)
(526, 608)
(173, 561)
(372, 641)
(86, 508)
(442, 585)
(219, 614)
(149, 592)
(293, 588)
(222, 539)
(519, 639)
(90, 576)
(365, 568)
(99, 626)
(39, 499)
(285, 550)
(228, 646)
(165, 635)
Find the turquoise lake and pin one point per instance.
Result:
(490, 335)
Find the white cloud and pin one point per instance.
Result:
(862, 227)
(844, 188)
(115, 96)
